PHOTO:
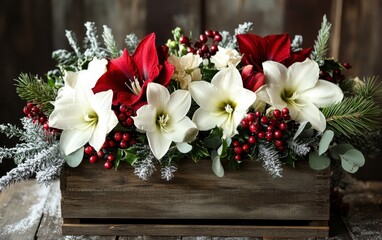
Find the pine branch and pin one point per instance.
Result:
(131, 41)
(70, 35)
(270, 159)
(11, 130)
(354, 116)
(321, 43)
(371, 88)
(34, 89)
(110, 43)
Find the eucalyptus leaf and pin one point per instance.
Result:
(318, 162)
(303, 126)
(325, 141)
(340, 149)
(74, 159)
(352, 160)
(217, 167)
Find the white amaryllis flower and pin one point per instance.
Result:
(82, 115)
(186, 68)
(223, 102)
(299, 89)
(225, 57)
(164, 118)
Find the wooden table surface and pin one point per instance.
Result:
(30, 211)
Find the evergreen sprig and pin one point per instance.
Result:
(110, 43)
(355, 116)
(34, 89)
(371, 88)
(321, 43)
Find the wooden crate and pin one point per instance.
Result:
(247, 202)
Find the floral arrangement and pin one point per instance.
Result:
(232, 98)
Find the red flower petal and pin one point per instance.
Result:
(111, 80)
(298, 56)
(125, 64)
(146, 58)
(252, 79)
(277, 47)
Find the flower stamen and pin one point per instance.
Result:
(135, 86)
(162, 122)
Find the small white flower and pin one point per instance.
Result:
(225, 57)
(82, 115)
(186, 68)
(223, 102)
(164, 118)
(299, 89)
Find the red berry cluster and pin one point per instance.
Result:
(203, 47)
(261, 127)
(336, 75)
(34, 112)
(115, 140)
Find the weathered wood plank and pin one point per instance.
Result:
(267, 16)
(22, 207)
(199, 194)
(189, 230)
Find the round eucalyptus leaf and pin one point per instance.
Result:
(217, 167)
(352, 160)
(318, 162)
(325, 141)
(340, 149)
(74, 159)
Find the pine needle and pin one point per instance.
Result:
(110, 43)
(321, 43)
(34, 89)
(356, 116)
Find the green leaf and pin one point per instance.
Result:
(129, 155)
(217, 167)
(325, 141)
(213, 140)
(352, 160)
(318, 162)
(222, 150)
(74, 159)
(340, 149)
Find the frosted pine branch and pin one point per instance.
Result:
(270, 159)
(167, 172)
(10, 130)
(131, 41)
(71, 36)
(146, 167)
(300, 148)
(296, 43)
(321, 43)
(110, 43)
(229, 41)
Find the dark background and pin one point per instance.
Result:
(31, 30)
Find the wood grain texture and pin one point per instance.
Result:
(196, 193)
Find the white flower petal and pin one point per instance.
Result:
(227, 79)
(179, 130)
(98, 137)
(275, 97)
(204, 120)
(157, 96)
(75, 158)
(179, 104)
(302, 75)
(323, 94)
(275, 73)
(243, 98)
(67, 116)
(146, 118)
(159, 145)
(309, 112)
(72, 140)
(70, 79)
(184, 147)
(205, 94)
(101, 103)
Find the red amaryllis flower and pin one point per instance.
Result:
(256, 50)
(128, 76)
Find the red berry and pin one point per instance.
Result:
(252, 140)
(110, 157)
(45, 126)
(286, 116)
(199, 52)
(89, 150)
(118, 136)
(245, 147)
(132, 142)
(122, 117)
(93, 159)
(35, 110)
(273, 122)
(251, 117)
(208, 54)
(285, 111)
(277, 113)
(43, 119)
(209, 33)
(237, 157)
(214, 48)
(270, 128)
(244, 123)
(126, 137)
(261, 135)
(105, 144)
(111, 143)
(184, 40)
(279, 143)
(203, 38)
(254, 128)
(191, 50)
(257, 114)
(277, 134)
(283, 126)
(130, 121)
(347, 65)
(269, 136)
(238, 150)
(204, 48)
(123, 144)
(264, 119)
(108, 165)
(100, 154)
(123, 108)
(236, 143)
(218, 37)
(26, 110)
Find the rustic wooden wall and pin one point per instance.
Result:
(30, 30)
